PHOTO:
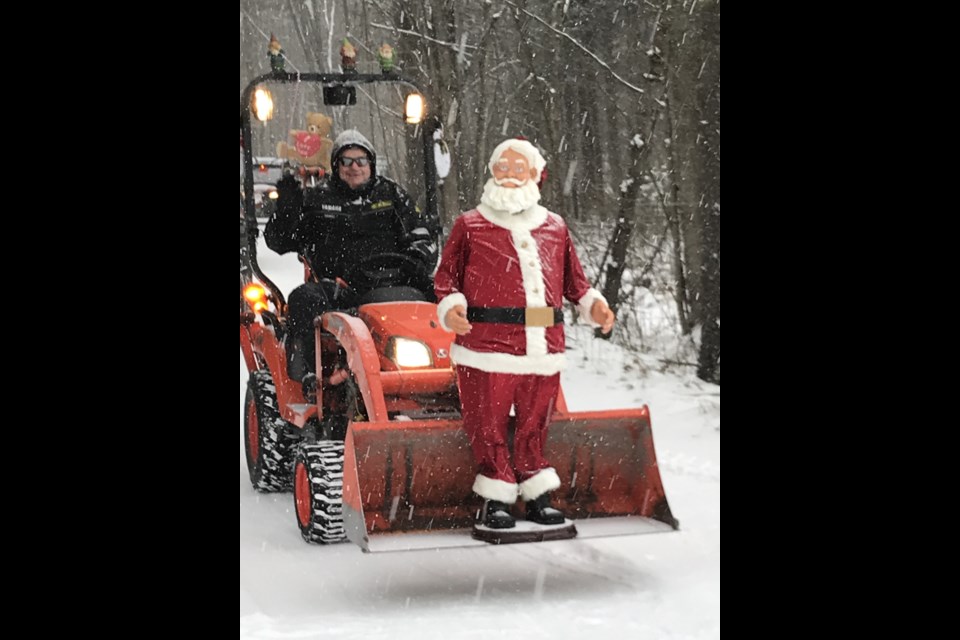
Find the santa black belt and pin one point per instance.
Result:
(529, 316)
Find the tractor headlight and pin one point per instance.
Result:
(409, 353)
(414, 108)
(263, 105)
(256, 297)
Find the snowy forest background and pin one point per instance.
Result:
(623, 98)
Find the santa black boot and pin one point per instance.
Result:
(540, 511)
(496, 515)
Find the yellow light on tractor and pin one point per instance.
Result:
(409, 353)
(414, 108)
(262, 105)
(256, 297)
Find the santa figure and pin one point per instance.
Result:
(500, 284)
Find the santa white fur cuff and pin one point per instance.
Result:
(545, 480)
(448, 303)
(585, 303)
(493, 489)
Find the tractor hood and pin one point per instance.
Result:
(416, 321)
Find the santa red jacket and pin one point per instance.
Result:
(497, 259)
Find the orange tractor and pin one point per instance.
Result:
(379, 456)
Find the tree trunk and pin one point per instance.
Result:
(674, 215)
(623, 232)
(694, 57)
(708, 212)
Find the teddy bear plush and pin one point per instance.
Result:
(312, 147)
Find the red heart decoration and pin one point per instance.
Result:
(308, 144)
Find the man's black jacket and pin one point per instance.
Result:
(335, 227)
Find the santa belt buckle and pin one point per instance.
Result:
(538, 316)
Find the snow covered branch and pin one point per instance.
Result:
(452, 45)
(579, 46)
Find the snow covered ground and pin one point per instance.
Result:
(659, 586)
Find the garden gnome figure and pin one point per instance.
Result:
(275, 54)
(348, 57)
(385, 56)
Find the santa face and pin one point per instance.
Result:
(512, 170)
(512, 187)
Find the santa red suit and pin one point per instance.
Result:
(497, 265)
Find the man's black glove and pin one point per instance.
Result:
(423, 251)
(288, 198)
(287, 184)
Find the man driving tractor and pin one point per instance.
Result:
(347, 218)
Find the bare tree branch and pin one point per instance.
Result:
(563, 34)
(452, 45)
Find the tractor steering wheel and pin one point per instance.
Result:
(390, 270)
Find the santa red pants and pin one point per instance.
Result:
(486, 399)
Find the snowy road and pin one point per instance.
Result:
(641, 587)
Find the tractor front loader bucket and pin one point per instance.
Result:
(408, 485)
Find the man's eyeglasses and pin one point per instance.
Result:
(349, 162)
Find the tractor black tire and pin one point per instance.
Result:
(318, 491)
(270, 442)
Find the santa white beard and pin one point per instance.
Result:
(511, 200)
